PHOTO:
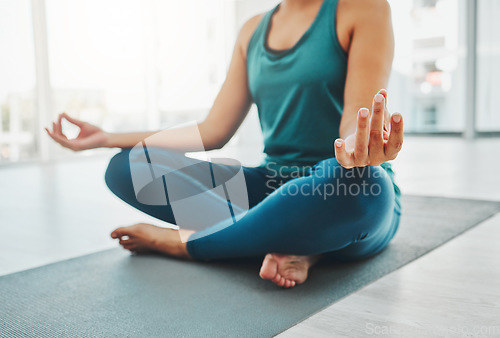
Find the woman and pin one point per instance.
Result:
(310, 66)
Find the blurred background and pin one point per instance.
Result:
(149, 64)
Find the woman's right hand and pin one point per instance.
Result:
(90, 136)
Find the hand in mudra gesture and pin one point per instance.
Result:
(377, 139)
(90, 136)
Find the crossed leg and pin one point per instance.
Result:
(291, 226)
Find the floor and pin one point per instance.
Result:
(452, 291)
(450, 167)
(61, 210)
(57, 211)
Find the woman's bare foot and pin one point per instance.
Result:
(286, 270)
(146, 237)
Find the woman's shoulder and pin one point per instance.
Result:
(247, 31)
(358, 8)
(356, 14)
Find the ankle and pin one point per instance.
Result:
(182, 251)
(182, 245)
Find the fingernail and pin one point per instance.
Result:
(363, 112)
(338, 143)
(396, 118)
(379, 98)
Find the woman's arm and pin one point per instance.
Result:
(226, 115)
(365, 138)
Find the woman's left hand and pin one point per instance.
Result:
(375, 140)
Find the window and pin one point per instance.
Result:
(148, 65)
(97, 61)
(122, 64)
(17, 82)
(428, 77)
(488, 66)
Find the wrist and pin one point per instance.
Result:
(109, 140)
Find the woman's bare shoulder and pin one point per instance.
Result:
(357, 9)
(247, 31)
(353, 15)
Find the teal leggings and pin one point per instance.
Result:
(348, 213)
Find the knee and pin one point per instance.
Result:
(373, 194)
(118, 171)
(370, 181)
(372, 185)
(363, 187)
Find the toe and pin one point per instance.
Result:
(269, 267)
(133, 230)
(288, 283)
(119, 232)
(282, 282)
(276, 278)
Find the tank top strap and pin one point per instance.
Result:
(258, 35)
(331, 14)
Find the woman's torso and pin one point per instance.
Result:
(299, 91)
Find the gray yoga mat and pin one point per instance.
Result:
(114, 294)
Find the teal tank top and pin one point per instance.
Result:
(299, 92)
